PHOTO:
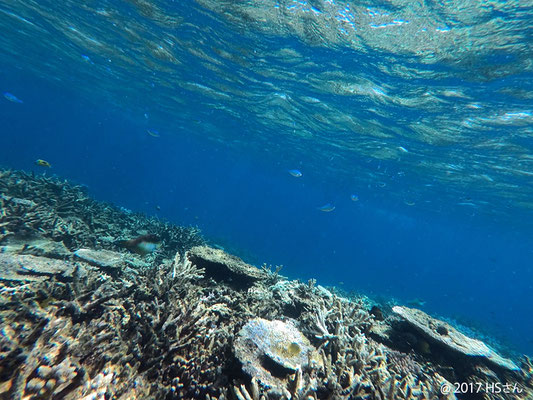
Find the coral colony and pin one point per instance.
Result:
(84, 317)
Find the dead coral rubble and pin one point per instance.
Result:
(192, 325)
(58, 210)
(460, 359)
(23, 268)
(150, 335)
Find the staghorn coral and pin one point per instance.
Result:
(403, 364)
(48, 336)
(167, 329)
(110, 325)
(147, 336)
(273, 275)
(33, 205)
(183, 270)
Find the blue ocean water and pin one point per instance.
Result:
(196, 113)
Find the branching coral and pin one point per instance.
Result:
(273, 275)
(184, 270)
(57, 209)
(167, 330)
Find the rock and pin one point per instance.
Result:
(37, 246)
(324, 292)
(451, 338)
(25, 268)
(495, 358)
(223, 267)
(110, 261)
(18, 201)
(273, 350)
(381, 332)
(105, 259)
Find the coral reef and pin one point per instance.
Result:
(451, 338)
(111, 261)
(22, 268)
(84, 319)
(271, 351)
(42, 207)
(36, 246)
(224, 267)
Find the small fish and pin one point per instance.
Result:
(142, 245)
(354, 197)
(43, 163)
(401, 148)
(12, 98)
(327, 208)
(87, 58)
(416, 303)
(296, 173)
(153, 133)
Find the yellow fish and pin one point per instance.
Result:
(43, 163)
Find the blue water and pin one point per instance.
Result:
(431, 132)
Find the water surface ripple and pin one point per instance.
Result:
(431, 99)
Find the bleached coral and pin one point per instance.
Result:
(183, 270)
(287, 350)
(168, 330)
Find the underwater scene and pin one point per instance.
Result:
(266, 199)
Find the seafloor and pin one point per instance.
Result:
(82, 317)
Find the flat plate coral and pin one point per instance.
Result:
(272, 350)
(450, 337)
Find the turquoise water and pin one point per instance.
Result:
(196, 112)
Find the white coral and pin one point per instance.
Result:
(185, 270)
